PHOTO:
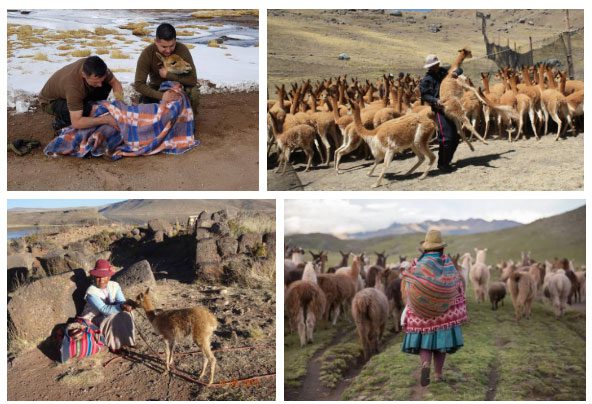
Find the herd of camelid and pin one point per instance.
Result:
(389, 117)
(371, 294)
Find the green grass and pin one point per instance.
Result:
(537, 359)
(296, 358)
(336, 361)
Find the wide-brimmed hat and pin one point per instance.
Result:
(430, 61)
(433, 241)
(102, 269)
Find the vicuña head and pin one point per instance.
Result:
(174, 64)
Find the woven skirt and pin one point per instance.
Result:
(448, 341)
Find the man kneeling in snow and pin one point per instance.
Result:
(70, 93)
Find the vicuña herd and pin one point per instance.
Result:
(387, 117)
(370, 294)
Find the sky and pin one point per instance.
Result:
(338, 217)
(58, 203)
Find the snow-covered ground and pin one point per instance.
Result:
(33, 58)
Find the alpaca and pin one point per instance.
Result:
(497, 292)
(522, 289)
(353, 272)
(174, 64)
(412, 131)
(342, 263)
(305, 303)
(554, 103)
(309, 274)
(465, 264)
(537, 271)
(339, 290)
(320, 260)
(196, 322)
(299, 136)
(392, 281)
(581, 277)
(479, 275)
(370, 309)
(558, 287)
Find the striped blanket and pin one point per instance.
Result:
(431, 285)
(144, 129)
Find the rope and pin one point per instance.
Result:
(186, 376)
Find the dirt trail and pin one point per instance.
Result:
(527, 165)
(312, 389)
(227, 158)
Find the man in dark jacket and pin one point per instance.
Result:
(429, 87)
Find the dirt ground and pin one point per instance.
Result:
(526, 165)
(227, 159)
(246, 318)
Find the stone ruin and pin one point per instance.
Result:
(218, 254)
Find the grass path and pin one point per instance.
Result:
(537, 359)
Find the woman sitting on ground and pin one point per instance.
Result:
(436, 307)
(106, 307)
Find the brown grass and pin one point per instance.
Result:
(137, 28)
(105, 31)
(117, 54)
(184, 33)
(213, 44)
(224, 13)
(100, 43)
(101, 51)
(189, 46)
(64, 47)
(80, 53)
(121, 70)
(40, 56)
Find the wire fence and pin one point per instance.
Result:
(552, 50)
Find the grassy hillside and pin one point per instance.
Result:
(558, 236)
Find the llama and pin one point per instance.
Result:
(370, 309)
(581, 277)
(196, 322)
(342, 263)
(174, 64)
(390, 278)
(353, 272)
(557, 287)
(497, 292)
(320, 260)
(309, 274)
(298, 136)
(412, 131)
(465, 265)
(339, 290)
(305, 303)
(479, 275)
(522, 289)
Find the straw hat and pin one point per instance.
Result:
(102, 269)
(433, 241)
(430, 61)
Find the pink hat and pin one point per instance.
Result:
(102, 269)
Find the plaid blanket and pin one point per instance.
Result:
(432, 285)
(144, 129)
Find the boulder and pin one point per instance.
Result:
(210, 272)
(343, 56)
(21, 260)
(221, 229)
(206, 223)
(76, 259)
(227, 246)
(220, 216)
(55, 262)
(156, 225)
(206, 251)
(248, 241)
(396, 13)
(135, 279)
(83, 247)
(202, 233)
(236, 267)
(159, 236)
(36, 308)
(202, 216)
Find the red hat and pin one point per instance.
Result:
(102, 269)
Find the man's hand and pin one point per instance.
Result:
(108, 119)
(126, 307)
(170, 95)
(162, 72)
(439, 106)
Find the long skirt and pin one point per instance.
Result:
(447, 341)
(119, 329)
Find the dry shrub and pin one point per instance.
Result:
(204, 27)
(260, 275)
(40, 56)
(213, 44)
(100, 43)
(224, 13)
(189, 46)
(117, 54)
(74, 34)
(80, 53)
(101, 51)
(251, 222)
(105, 31)
(119, 38)
(182, 32)
(65, 47)
(137, 28)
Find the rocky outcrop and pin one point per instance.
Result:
(135, 278)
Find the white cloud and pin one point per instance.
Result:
(348, 216)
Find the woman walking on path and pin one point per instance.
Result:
(435, 307)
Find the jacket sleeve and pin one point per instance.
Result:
(426, 90)
(142, 71)
(189, 79)
(106, 309)
(119, 297)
